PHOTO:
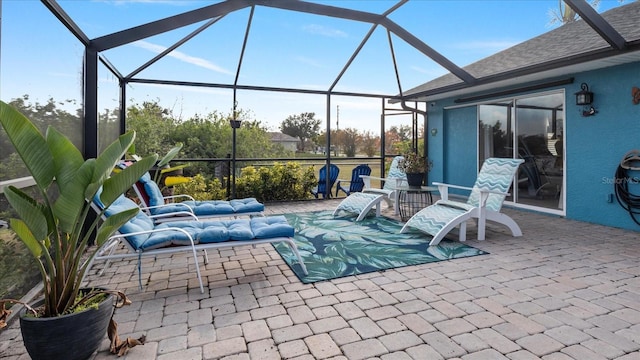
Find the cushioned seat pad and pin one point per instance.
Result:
(200, 231)
(200, 208)
(205, 232)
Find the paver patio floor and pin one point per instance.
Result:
(564, 290)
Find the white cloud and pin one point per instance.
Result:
(182, 57)
(309, 61)
(324, 31)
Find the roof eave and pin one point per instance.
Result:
(571, 65)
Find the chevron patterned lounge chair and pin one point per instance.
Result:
(394, 179)
(361, 204)
(484, 203)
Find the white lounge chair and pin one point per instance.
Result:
(484, 203)
(395, 178)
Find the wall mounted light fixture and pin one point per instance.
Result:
(584, 98)
(434, 132)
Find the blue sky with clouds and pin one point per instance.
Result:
(285, 49)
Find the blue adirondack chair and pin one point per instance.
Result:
(322, 181)
(356, 183)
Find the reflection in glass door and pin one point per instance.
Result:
(531, 129)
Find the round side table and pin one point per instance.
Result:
(413, 199)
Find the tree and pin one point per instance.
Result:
(154, 123)
(350, 139)
(211, 137)
(396, 138)
(565, 14)
(303, 126)
(370, 144)
(41, 115)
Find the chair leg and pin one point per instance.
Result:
(294, 248)
(195, 259)
(506, 221)
(396, 205)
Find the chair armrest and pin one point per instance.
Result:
(179, 196)
(364, 177)
(148, 232)
(443, 189)
(177, 215)
(439, 184)
(484, 193)
(367, 181)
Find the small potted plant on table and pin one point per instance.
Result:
(415, 167)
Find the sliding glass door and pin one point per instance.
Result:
(528, 128)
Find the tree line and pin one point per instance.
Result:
(203, 136)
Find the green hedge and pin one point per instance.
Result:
(280, 182)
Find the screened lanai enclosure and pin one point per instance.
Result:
(349, 63)
(355, 69)
(237, 56)
(358, 69)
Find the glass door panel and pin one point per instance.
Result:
(530, 129)
(539, 142)
(495, 129)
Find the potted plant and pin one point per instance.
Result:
(57, 226)
(415, 167)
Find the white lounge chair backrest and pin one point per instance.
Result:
(394, 173)
(496, 174)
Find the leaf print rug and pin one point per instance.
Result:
(336, 247)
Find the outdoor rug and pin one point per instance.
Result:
(336, 247)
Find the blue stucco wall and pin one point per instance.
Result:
(460, 165)
(453, 147)
(594, 145)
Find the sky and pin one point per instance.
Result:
(285, 49)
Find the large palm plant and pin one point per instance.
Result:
(57, 227)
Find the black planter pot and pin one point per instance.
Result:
(415, 179)
(70, 337)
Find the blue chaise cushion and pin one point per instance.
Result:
(199, 208)
(270, 227)
(153, 191)
(200, 231)
(210, 207)
(140, 222)
(246, 205)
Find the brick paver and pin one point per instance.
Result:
(559, 292)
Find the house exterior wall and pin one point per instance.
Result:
(288, 145)
(461, 149)
(593, 145)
